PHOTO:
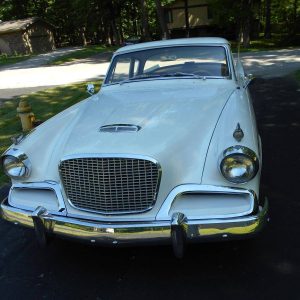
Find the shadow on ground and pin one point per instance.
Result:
(264, 268)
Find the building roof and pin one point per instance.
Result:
(174, 42)
(18, 25)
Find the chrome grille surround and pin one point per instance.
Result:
(110, 184)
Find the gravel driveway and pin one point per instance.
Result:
(41, 59)
(15, 81)
(33, 75)
(270, 64)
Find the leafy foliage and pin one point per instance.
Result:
(113, 21)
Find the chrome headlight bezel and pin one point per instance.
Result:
(239, 152)
(20, 158)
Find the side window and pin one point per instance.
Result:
(124, 69)
(121, 70)
(136, 65)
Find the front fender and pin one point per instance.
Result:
(238, 109)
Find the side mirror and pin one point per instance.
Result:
(248, 79)
(90, 88)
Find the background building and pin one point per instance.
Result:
(26, 36)
(188, 17)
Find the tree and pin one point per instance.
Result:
(14, 9)
(161, 18)
(245, 22)
(145, 20)
(186, 16)
(268, 20)
(111, 21)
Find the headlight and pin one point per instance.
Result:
(16, 164)
(239, 164)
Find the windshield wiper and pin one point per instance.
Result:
(182, 74)
(143, 76)
(147, 76)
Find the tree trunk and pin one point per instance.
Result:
(246, 33)
(295, 25)
(145, 21)
(121, 31)
(187, 21)
(111, 36)
(103, 36)
(83, 37)
(246, 22)
(162, 22)
(134, 23)
(268, 20)
(115, 32)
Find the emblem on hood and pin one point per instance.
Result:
(238, 133)
(120, 128)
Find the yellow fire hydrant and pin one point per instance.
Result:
(26, 115)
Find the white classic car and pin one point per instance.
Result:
(166, 152)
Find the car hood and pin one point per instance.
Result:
(176, 119)
(168, 117)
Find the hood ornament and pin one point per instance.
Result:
(238, 133)
(17, 139)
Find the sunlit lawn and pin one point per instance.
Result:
(45, 104)
(276, 42)
(85, 52)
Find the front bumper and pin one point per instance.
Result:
(134, 233)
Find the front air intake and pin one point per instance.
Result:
(110, 185)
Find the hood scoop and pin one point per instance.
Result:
(116, 128)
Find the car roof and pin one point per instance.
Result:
(174, 42)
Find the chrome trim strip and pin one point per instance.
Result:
(98, 212)
(239, 149)
(108, 155)
(114, 155)
(163, 213)
(229, 61)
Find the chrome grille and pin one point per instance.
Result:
(110, 185)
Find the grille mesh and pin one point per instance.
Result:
(110, 185)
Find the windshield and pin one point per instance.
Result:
(185, 61)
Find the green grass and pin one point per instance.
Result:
(45, 104)
(261, 44)
(12, 59)
(297, 76)
(82, 53)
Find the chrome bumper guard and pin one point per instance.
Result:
(177, 231)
